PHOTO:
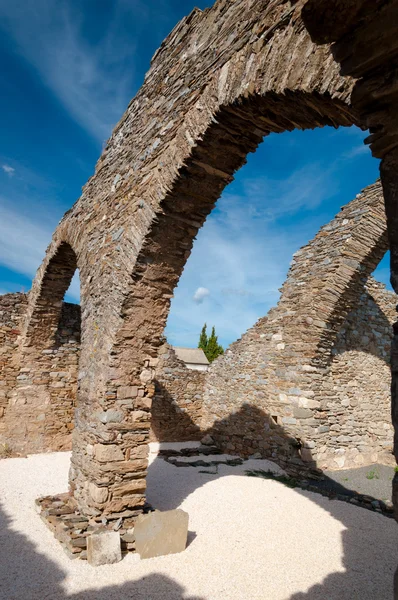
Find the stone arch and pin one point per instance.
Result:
(236, 130)
(222, 79)
(40, 410)
(280, 364)
(47, 294)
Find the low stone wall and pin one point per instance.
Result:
(41, 386)
(178, 400)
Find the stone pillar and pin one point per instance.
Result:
(110, 450)
(389, 177)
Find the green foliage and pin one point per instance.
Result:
(210, 345)
(372, 474)
(203, 339)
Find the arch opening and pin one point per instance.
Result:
(42, 329)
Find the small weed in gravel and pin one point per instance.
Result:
(372, 474)
(6, 451)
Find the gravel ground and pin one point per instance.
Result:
(250, 539)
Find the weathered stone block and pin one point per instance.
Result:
(98, 494)
(161, 533)
(103, 548)
(135, 486)
(129, 391)
(108, 453)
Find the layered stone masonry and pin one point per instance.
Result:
(178, 400)
(284, 389)
(222, 79)
(355, 403)
(41, 384)
(295, 388)
(12, 312)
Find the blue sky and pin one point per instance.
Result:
(69, 69)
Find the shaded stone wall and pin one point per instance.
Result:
(42, 384)
(364, 41)
(280, 371)
(355, 403)
(177, 404)
(12, 311)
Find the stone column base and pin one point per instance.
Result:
(71, 528)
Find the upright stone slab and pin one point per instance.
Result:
(160, 533)
(103, 548)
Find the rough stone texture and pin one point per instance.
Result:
(103, 548)
(222, 79)
(355, 395)
(308, 384)
(177, 404)
(365, 43)
(12, 310)
(160, 533)
(38, 390)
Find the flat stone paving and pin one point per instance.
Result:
(374, 480)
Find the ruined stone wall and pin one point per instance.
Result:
(41, 390)
(277, 378)
(222, 79)
(178, 400)
(355, 394)
(12, 310)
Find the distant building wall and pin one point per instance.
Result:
(195, 367)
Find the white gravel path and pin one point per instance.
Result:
(251, 539)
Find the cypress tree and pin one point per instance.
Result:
(203, 339)
(213, 348)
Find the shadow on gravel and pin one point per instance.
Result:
(25, 574)
(364, 563)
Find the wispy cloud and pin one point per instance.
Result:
(23, 240)
(9, 170)
(25, 232)
(242, 262)
(92, 77)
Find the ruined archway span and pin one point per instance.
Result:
(236, 130)
(46, 296)
(223, 79)
(283, 364)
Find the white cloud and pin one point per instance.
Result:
(200, 294)
(9, 170)
(92, 79)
